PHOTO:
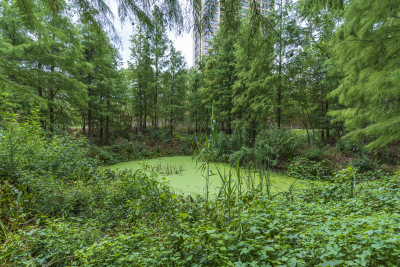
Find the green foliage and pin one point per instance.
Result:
(274, 147)
(121, 151)
(366, 55)
(56, 208)
(26, 151)
(12, 204)
(245, 155)
(223, 147)
(349, 148)
(304, 168)
(174, 89)
(337, 227)
(197, 114)
(364, 163)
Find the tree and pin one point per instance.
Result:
(252, 94)
(103, 80)
(311, 73)
(141, 75)
(367, 54)
(219, 74)
(196, 112)
(46, 61)
(174, 88)
(158, 48)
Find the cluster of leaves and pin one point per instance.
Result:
(26, 151)
(117, 152)
(154, 144)
(271, 148)
(304, 168)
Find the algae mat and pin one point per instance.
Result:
(183, 175)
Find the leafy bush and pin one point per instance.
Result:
(26, 151)
(240, 137)
(364, 163)
(314, 153)
(304, 168)
(274, 147)
(223, 147)
(349, 147)
(245, 156)
(121, 151)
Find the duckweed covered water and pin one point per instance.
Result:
(184, 176)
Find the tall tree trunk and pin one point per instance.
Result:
(101, 130)
(279, 91)
(140, 109)
(155, 96)
(51, 110)
(90, 117)
(155, 123)
(84, 123)
(108, 122)
(196, 122)
(326, 111)
(52, 96)
(40, 94)
(253, 132)
(145, 115)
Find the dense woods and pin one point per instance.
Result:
(327, 68)
(309, 89)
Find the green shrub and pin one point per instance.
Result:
(303, 168)
(53, 241)
(325, 225)
(274, 147)
(26, 151)
(240, 137)
(245, 156)
(314, 153)
(349, 147)
(364, 163)
(223, 147)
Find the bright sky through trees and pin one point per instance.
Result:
(182, 42)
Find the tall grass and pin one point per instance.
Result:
(235, 182)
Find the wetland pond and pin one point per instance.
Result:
(185, 176)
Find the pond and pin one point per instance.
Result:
(185, 176)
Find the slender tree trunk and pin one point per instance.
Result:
(51, 110)
(101, 130)
(155, 96)
(84, 123)
(171, 120)
(40, 94)
(140, 109)
(108, 122)
(145, 115)
(253, 131)
(90, 117)
(279, 91)
(196, 122)
(52, 96)
(327, 127)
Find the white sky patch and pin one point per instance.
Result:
(182, 42)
